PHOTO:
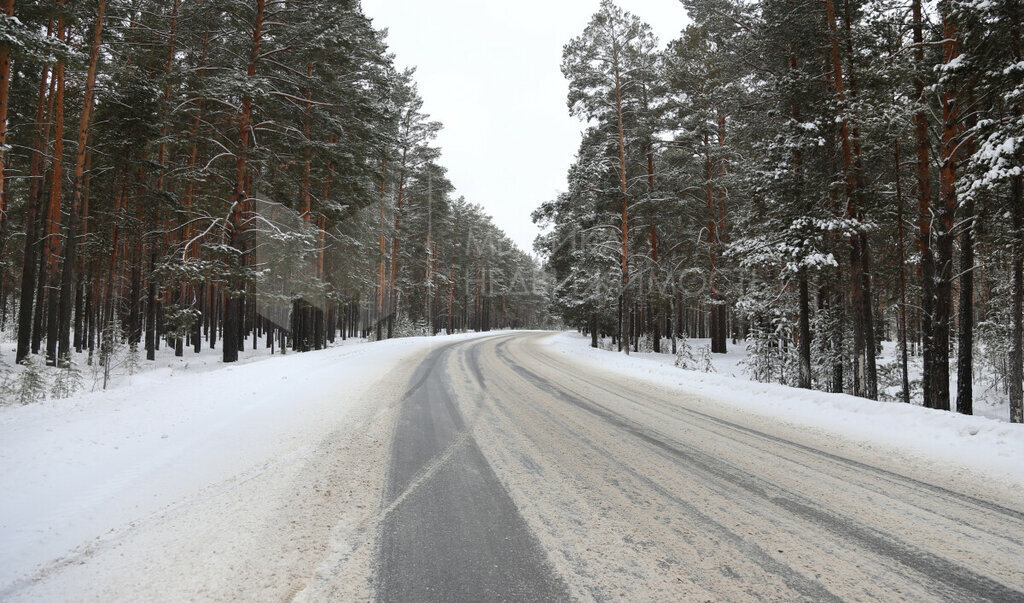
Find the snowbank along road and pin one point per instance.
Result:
(500, 470)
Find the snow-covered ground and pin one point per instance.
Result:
(111, 475)
(128, 367)
(989, 400)
(943, 440)
(76, 472)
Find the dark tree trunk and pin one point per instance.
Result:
(75, 216)
(135, 299)
(79, 313)
(235, 305)
(901, 321)
(942, 312)
(924, 196)
(805, 332)
(197, 326)
(835, 303)
(965, 313)
(151, 311)
(31, 245)
(871, 368)
(858, 301)
(39, 312)
(51, 264)
(232, 327)
(1017, 344)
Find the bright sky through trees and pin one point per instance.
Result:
(489, 72)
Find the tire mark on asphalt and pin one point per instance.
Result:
(448, 529)
(965, 582)
(809, 589)
(895, 477)
(912, 485)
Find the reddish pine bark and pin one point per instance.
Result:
(942, 312)
(31, 248)
(75, 217)
(51, 260)
(924, 200)
(859, 289)
(234, 303)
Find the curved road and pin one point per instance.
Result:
(515, 474)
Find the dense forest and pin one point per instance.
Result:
(814, 177)
(196, 173)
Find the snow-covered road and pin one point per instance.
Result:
(502, 466)
(233, 483)
(641, 491)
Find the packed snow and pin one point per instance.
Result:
(78, 476)
(74, 472)
(931, 439)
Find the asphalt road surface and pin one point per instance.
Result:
(516, 474)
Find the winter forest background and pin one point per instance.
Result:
(814, 177)
(203, 173)
(811, 178)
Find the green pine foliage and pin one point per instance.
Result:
(772, 170)
(67, 379)
(30, 384)
(248, 167)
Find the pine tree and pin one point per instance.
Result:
(30, 385)
(67, 380)
(606, 67)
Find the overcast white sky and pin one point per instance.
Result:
(490, 72)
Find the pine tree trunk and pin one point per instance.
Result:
(393, 311)
(1016, 372)
(719, 311)
(965, 313)
(867, 317)
(234, 304)
(864, 383)
(924, 196)
(135, 295)
(835, 303)
(654, 296)
(75, 216)
(305, 209)
(804, 380)
(32, 211)
(624, 230)
(5, 88)
(943, 309)
(383, 248)
(871, 369)
(901, 325)
(804, 320)
(51, 261)
(450, 321)
(858, 300)
(151, 310)
(39, 312)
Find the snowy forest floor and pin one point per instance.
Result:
(128, 368)
(990, 398)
